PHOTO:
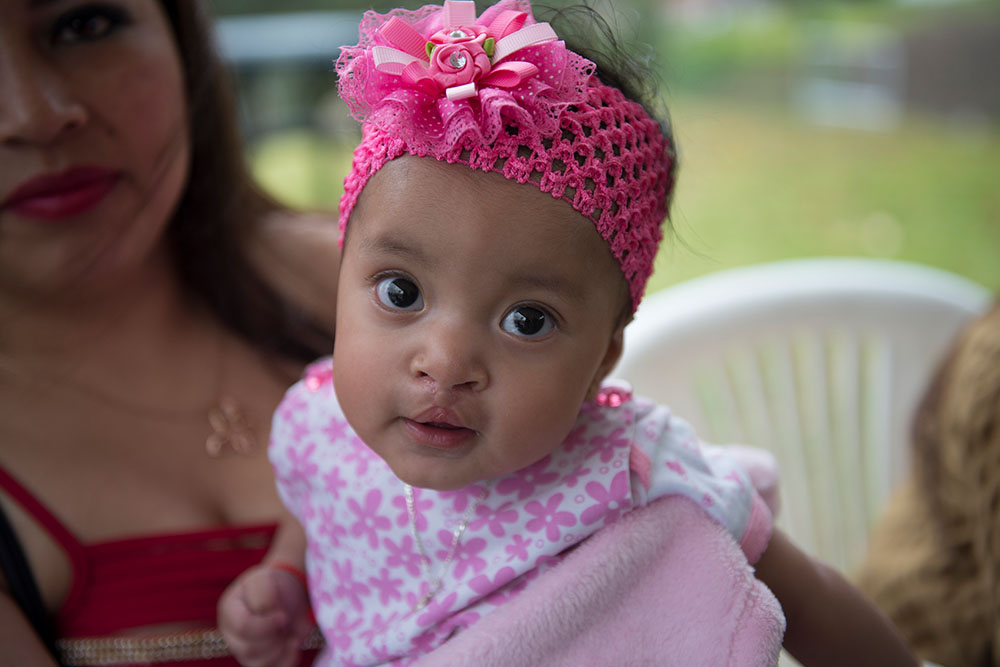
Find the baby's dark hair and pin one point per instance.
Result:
(588, 32)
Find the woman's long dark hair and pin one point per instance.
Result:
(221, 205)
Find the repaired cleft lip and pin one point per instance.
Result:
(439, 428)
(440, 418)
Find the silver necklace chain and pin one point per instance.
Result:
(435, 583)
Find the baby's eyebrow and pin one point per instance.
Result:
(385, 244)
(549, 282)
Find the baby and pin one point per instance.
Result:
(462, 463)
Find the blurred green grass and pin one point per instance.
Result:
(758, 183)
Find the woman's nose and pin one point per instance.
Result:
(450, 360)
(37, 105)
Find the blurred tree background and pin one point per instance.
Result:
(806, 127)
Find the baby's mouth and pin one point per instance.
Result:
(444, 425)
(438, 417)
(439, 429)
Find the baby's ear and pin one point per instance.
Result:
(612, 354)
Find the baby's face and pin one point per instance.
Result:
(473, 316)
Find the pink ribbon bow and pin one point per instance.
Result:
(463, 56)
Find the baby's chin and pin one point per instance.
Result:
(433, 480)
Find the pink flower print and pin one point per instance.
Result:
(494, 518)
(378, 627)
(483, 585)
(459, 621)
(734, 476)
(387, 587)
(300, 431)
(369, 520)
(425, 642)
(299, 495)
(360, 455)
(306, 509)
(403, 555)
(316, 551)
(461, 498)
(518, 549)
(574, 477)
(524, 481)
(607, 445)
(381, 654)
(677, 467)
(707, 500)
(339, 636)
(575, 438)
(335, 429)
(420, 597)
(301, 462)
(548, 517)
(596, 413)
(320, 595)
(403, 518)
(347, 586)
(333, 484)
(329, 527)
(610, 502)
(466, 555)
(437, 609)
(289, 407)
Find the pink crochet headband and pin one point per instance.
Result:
(501, 93)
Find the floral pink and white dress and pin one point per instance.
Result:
(365, 570)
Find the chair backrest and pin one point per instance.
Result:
(820, 361)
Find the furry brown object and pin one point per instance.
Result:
(934, 561)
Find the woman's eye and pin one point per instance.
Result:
(399, 294)
(88, 23)
(527, 321)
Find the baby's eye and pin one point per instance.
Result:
(399, 293)
(88, 23)
(527, 321)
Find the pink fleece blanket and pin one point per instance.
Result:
(664, 585)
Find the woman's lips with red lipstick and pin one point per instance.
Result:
(61, 195)
(438, 428)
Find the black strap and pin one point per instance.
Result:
(23, 588)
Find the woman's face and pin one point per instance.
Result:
(93, 140)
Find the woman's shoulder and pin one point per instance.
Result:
(297, 253)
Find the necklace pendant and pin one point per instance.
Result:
(230, 430)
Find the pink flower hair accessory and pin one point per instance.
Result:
(462, 57)
(502, 93)
(448, 74)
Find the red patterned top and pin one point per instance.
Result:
(158, 579)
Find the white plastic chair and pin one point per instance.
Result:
(820, 361)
